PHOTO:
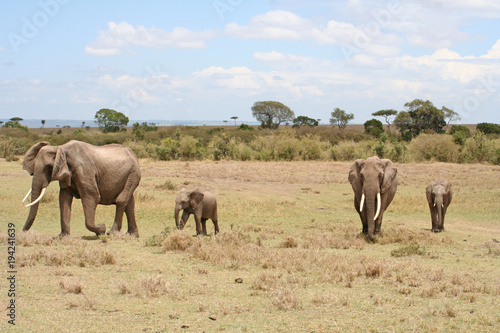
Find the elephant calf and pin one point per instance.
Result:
(200, 203)
(439, 194)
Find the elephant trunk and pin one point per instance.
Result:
(38, 188)
(371, 196)
(439, 206)
(177, 209)
(35, 195)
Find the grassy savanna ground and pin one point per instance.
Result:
(288, 230)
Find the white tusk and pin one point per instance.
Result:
(39, 198)
(442, 205)
(362, 202)
(434, 204)
(378, 206)
(27, 195)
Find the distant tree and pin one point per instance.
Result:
(386, 114)
(271, 114)
(16, 119)
(43, 123)
(374, 127)
(420, 115)
(83, 124)
(450, 115)
(340, 118)
(225, 122)
(234, 118)
(488, 128)
(110, 121)
(14, 123)
(304, 121)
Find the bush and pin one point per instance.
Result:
(350, 150)
(374, 127)
(479, 149)
(488, 128)
(433, 147)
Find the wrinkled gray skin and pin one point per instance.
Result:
(106, 175)
(370, 177)
(200, 203)
(439, 194)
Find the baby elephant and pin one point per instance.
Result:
(200, 203)
(439, 194)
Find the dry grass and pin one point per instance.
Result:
(289, 234)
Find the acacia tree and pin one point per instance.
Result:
(271, 114)
(305, 121)
(341, 118)
(110, 121)
(386, 114)
(420, 115)
(234, 118)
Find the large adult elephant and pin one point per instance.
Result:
(439, 194)
(106, 175)
(374, 182)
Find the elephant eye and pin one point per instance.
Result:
(380, 175)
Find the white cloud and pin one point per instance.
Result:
(494, 52)
(123, 35)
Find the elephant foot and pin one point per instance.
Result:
(133, 233)
(63, 234)
(436, 230)
(112, 231)
(100, 229)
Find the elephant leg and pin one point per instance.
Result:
(89, 207)
(197, 219)
(117, 224)
(216, 226)
(130, 211)
(65, 202)
(441, 223)
(204, 226)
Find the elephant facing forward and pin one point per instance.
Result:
(106, 175)
(374, 182)
(439, 194)
(202, 204)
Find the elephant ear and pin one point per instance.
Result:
(390, 173)
(428, 193)
(355, 177)
(61, 170)
(448, 189)
(30, 156)
(195, 197)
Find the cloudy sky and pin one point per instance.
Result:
(212, 59)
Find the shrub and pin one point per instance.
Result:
(433, 147)
(488, 128)
(221, 147)
(189, 148)
(374, 127)
(350, 150)
(312, 147)
(246, 127)
(460, 134)
(479, 148)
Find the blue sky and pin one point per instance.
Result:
(212, 59)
